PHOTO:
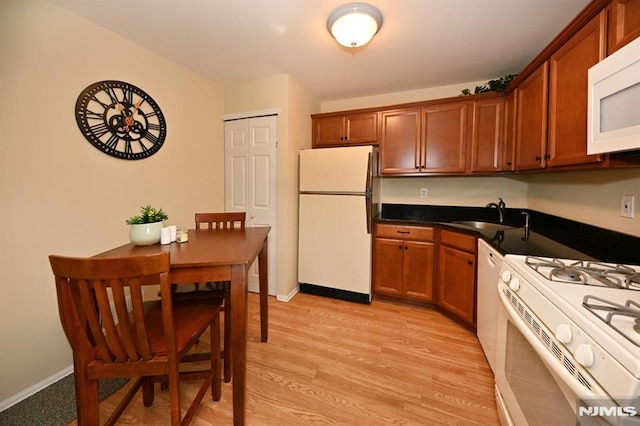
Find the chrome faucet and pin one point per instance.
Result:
(500, 205)
(527, 218)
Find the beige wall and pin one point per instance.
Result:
(457, 191)
(591, 197)
(294, 133)
(59, 194)
(398, 97)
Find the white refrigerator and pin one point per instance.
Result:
(339, 190)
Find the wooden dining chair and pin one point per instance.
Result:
(114, 333)
(226, 220)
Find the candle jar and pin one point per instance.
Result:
(182, 235)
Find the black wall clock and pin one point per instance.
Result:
(120, 120)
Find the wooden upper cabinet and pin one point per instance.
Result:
(487, 135)
(345, 129)
(624, 23)
(509, 146)
(400, 141)
(569, 65)
(531, 120)
(445, 134)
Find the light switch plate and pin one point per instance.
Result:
(627, 203)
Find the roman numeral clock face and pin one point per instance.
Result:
(120, 120)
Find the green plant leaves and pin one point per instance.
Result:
(148, 214)
(497, 85)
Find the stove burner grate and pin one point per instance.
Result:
(568, 273)
(611, 309)
(586, 273)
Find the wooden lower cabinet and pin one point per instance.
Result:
(404, 258)
(455, 290)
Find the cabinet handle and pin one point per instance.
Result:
(538, 158)
(400, 246)
(509, 163)
(403, 232)
(406, 248)
(547, 156)
(470, 262)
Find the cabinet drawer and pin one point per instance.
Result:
(421, 233)
(461, 241)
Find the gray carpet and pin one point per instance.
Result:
(55, 405)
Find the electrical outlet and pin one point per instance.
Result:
(627, 205)
(423, 192)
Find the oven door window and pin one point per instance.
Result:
(537, 393)
(532, 391)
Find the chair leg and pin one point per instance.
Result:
(147, 391)
(227, 337)
(214, 338)
(86, 397)
(174, 395)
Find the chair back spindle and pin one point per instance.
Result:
(228, 220)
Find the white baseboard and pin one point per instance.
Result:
(287, 297)
(13, 400)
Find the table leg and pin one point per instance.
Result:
(239, 299)
(263, 277)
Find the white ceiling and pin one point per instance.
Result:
(422, 43)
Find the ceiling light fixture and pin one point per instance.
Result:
(354, 24)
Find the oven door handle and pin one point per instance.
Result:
(550, 361)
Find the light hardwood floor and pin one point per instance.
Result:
(330, 362)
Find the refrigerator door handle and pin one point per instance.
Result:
(368, 202)
(368, 195)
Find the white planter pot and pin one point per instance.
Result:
(145, 234)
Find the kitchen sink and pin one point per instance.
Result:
(489, 226)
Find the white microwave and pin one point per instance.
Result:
(613, 117)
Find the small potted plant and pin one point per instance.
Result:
(145, 227)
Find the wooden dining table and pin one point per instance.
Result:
(220, 255)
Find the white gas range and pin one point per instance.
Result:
(568, 328)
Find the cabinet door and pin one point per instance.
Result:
(445, 135)
(531, 127)
(388, 266)
(487, 135)
(400, 141)
(361, 129)
(328, 131)
(456, 283)
(509, 150)
(418, 270)
(568, 69)
(624, 23)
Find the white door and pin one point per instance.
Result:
(250, 180)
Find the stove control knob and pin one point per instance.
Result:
(506, 276)
(584, 355)
(563, 333)
(514, 284)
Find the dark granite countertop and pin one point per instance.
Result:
(549, 236)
